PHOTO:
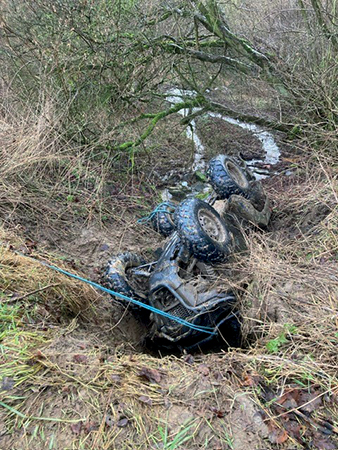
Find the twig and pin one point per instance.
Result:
(16, 299)
(296, 409)
(45, 419)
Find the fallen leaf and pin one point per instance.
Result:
(38, 355)
(76, 427)
(31, 244)
(290, 399)
(315, 399)
(291, 160)
(189, 359)
(323, 443)
(289, 403)
(152, 375)
(278, 436)
(81, 359)
(293, 428)
(122, 422)
(90, 426)
(218, 413)
(251, 380)
(293, 393)
(145, 399)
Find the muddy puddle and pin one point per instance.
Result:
(269, 148)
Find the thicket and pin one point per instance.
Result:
(105, 63)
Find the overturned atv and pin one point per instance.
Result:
(181, 282)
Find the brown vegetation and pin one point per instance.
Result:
(75, 89)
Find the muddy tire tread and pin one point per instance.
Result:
(161, 221)
(223, 184)
(116, 280)
(193, 236)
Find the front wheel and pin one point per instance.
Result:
(227, 177)
(202, 231)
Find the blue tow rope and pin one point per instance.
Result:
(201, 328)
(159, 209)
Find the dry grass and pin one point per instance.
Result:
(44, 173)
(47, 177)
(30, 144)
(23, 278)
(293, 267)
(98, 395)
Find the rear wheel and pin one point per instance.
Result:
(227, 177)
(202, 231)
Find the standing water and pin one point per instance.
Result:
(270, 148)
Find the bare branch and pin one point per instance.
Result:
(212, 19)
(331, 36)
(207, 57)
(218, 107)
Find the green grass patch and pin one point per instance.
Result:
(17, 346)
(274, 345)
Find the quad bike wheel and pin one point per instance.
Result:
(118, 278)
(227, 177)
(162, 219)
(202, 231)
